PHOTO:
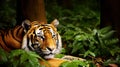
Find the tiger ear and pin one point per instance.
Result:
(26, 25)
(55, 22)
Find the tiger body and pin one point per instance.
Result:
(33, 36)
(11, 39)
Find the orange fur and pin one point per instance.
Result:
(10, 39)
(15, 38)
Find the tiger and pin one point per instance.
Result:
(43, 39)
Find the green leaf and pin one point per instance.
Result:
(108, 34)
(23, 58)
(59, 55)
(89, 53)
(91, 65)
(3, 56)
(27, 64)
(105, 30)
(33, 54)
(14, 53)
(64, 64)
(76, 48)
(14, 63)
(33, 62)
(112, 52)
(72, 64)
(33, 59)
(78, 62)
(63, 51)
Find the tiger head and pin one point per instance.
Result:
(41, 38)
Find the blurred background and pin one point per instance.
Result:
(79, 12)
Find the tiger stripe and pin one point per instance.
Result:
(33, 36)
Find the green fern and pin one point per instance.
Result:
(20, 58)
(98, 41)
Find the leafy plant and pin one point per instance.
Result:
(82, 15)
(97, 45)
(77, 63)
(19, 58)
(7, 13)
(3, 57)
(112, 61)
(87, 41)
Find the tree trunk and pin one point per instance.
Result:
(110, 14)
(33, 10)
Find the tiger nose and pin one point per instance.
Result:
(50, 48)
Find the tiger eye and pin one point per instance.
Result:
(53, 36)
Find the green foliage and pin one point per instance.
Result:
(90, 43)
(94, 42)
(112, 61)
(80, 15)
(77, 63)
(89, 53)
(61, 54)
(79, 28)
(19, 58)
(3, 56)
(7, 13)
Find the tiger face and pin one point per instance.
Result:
(42, 38)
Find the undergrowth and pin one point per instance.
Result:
(19, 58)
